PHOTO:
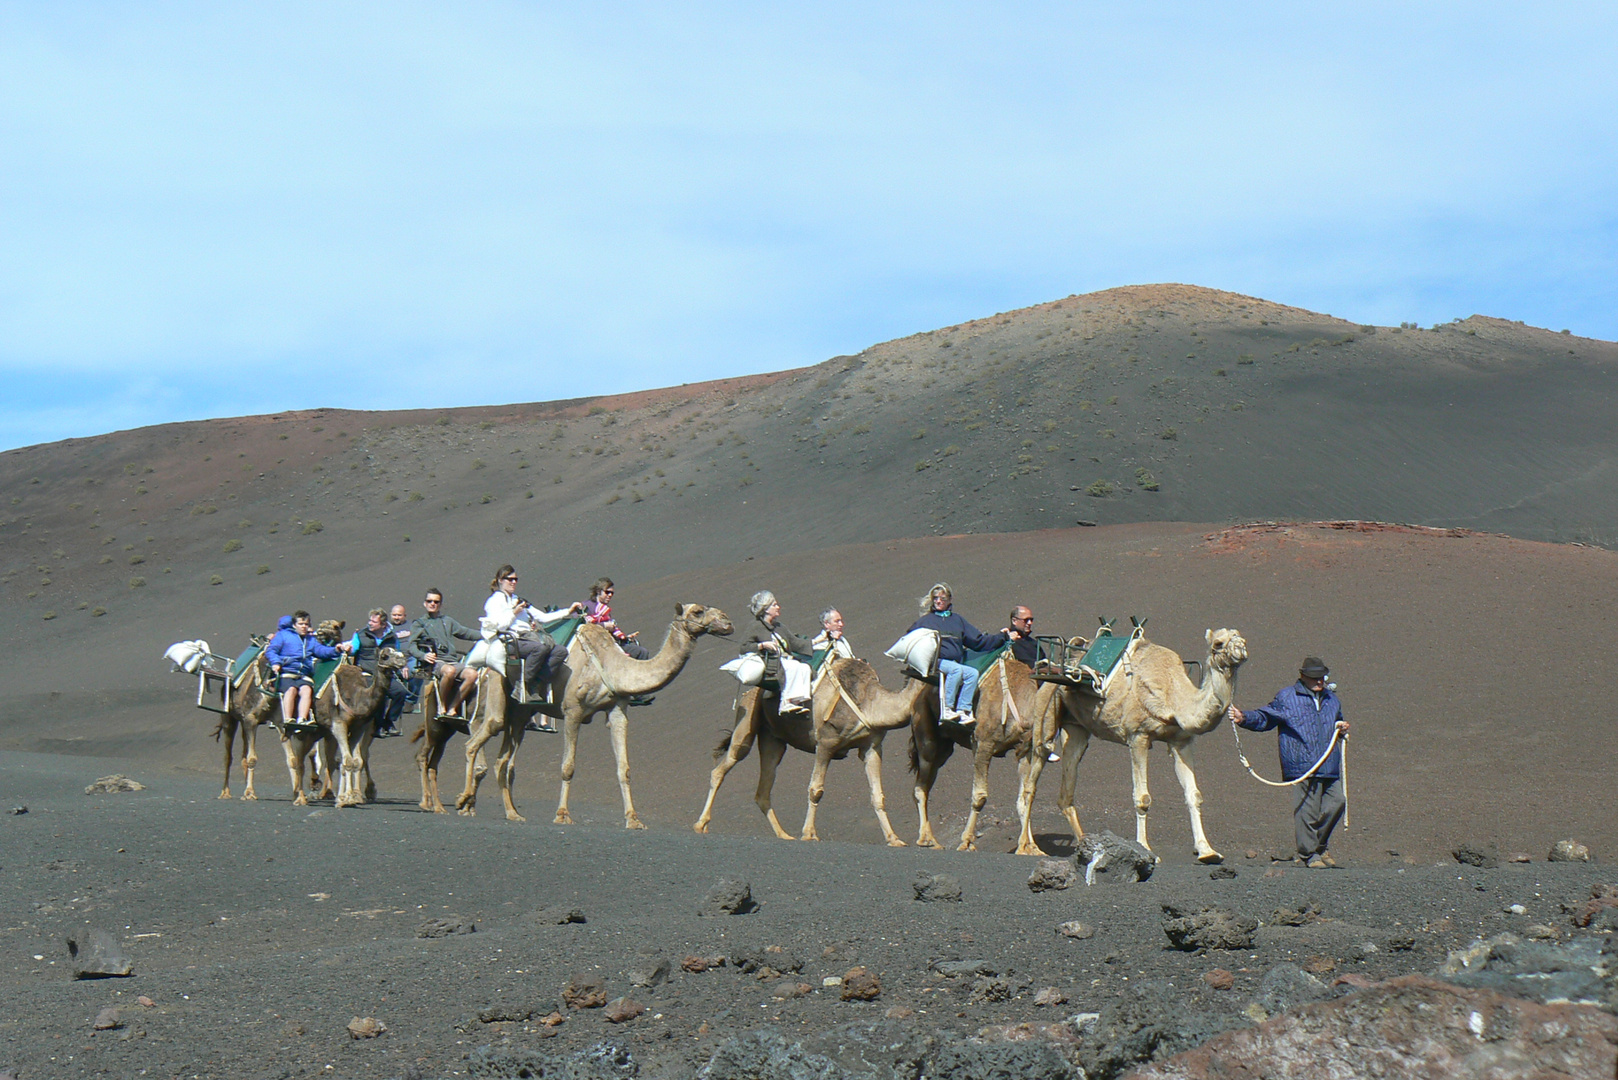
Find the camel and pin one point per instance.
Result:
(250, 706)
(599, 677)
(347, 707)
(840, 728)
(1011, 709)
(1149, 699)
(488, 711)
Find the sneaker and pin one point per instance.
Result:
(1053, 757)
(1317, 862)
(948, 713)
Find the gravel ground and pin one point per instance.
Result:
(259, 931)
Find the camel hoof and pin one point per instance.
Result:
(225, 794)
(634, 823)
(562, 818)
(896, 842)
(249, 796)
(810, 838)
(467, 811)
(699, 827)
(1211, 858)
(966, 845)
(515, 817)
(300, 800)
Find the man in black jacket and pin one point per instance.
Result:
(433, 646)
(367, 644)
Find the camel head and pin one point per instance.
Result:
(329, 630)
(390, 660)
(1226, 649)
(698, 620)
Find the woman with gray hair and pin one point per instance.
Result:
(955, 636)
(781, 649)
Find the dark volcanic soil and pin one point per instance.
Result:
(258, 932)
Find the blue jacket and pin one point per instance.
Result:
(1305, 730)
(956, 635)
(295, 654)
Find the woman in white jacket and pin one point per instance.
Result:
(510, 614)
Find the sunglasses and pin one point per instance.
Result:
(433, 602)
(513, 577)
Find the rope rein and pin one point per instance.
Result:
(842, 693)
(1336, 737)
(1006, 700)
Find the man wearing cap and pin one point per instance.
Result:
(1307, 713)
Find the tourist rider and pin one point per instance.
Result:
(404, 630)
(598, 610)
(783, 651)
(1307, 713)
(432, 642)
(831, 640)
(292, 653)
(510, 614)
(1021, 631)
(955, 637)
(367, 645)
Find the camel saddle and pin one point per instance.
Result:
(1088, 664)
(241, 668)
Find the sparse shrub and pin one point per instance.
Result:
(1145, 479)
(951, 450)
(105, 559)
(1048, 426)
(596, 410)
(479, 463)
(1219, 371)
(637, 497)
(1023, 459)
(923, 464)
(242, 524)
(486, 499)
(1108, 433)
(136, 560)
(391, 497)
(975, 425)
(1099, 490)
(98, 612)
(1168, 434)
(216, 580)
(921, 433)
(232, 545)
(282, 436)
(416, 496)
(1113, 400)
(1051, 448)
(1244, 358)
(83, 605)
(613, 498)
(137, 583)
(528, 494)
(263, 569)
(129, 547)
(48, 616)
(486, 425)
(442, 421)
(140, 489)
(556, 479)
(312, 527)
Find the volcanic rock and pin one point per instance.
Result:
(1600, 912)
(1219, 979)
(1414, 1026)
(1108, 854)
(1050, 995)
(729, 896)
(654, 975)
(751, 958)
(623, 1010)
(1222, 873)
(111, 785)
(1568, 851)
(584, 991)
(106, 1020)
(96, 955)
(555, 915)
(1076, 929)
(365, 1027)
(1207, 928)
(861, 985)
(1053, 874)
(1286, 986)
(1471, 855)
(698, 964)
(1584, 970)
(956, 968)
(935, 888)
(1150, 1022)
(445, 926)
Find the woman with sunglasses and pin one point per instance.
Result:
(598, 610)
(510, 614)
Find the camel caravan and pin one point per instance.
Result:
(1039, 699)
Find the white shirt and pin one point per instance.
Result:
(501, 610)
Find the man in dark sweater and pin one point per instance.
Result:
(1021, 631)
(432, 643)
(1307, 714)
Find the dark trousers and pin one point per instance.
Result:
(1316, 812)
(537, 660)
(394, 707)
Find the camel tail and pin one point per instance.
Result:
(421, 733)
(219, 728)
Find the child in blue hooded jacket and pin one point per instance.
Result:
(292, 653)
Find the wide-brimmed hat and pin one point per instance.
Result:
(1314, 667)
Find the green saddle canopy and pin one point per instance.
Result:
(324, 670)
(249, 656)
(1105, 652)
(562, 630)
(982, 661)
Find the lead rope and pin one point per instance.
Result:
(594, 662)
(1336, 735)
(1006, 700)
(849, 701)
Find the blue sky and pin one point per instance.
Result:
(211, 209)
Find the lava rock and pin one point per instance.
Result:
(1110, 855)
(106, 1020)
(989, 991)
(1286, 986)
(556, 915)
(1219, 979)
(600, 1062)
(1149, 1023)
(1568, 851)
(18, 810)
(956, 968)
(1471, 855)
(729, 896)
(365, 1027)
(1076, 929)
(655, 975)
(936, 888)
(788, 990)
(1580, 971)
(1222, 873)
(111, 785)
(1050, 995)
(584, 991)
(96, 955)
(861, 985)
(698, 964)
(751, 958)
(1053, 874)
(1207, 928)
(622, 1010)
(445, 926)
(1411, 1025)
(1296, 915)
(505, 1013)
(1598, 912)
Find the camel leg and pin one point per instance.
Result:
(227, 726)
(348, 764)
(741, 741)
(817, 788)
(1028, 774)
(1139, 748)
(770, 752)
(618, 728)
(926, 772)
(570, 760)
(467, 803)
(249, 759)
(295, 756)
(980, 792)
(505, 768)
(879, 801)
(429, 709)
(326, 747)
(1193, 802)
(1075, 743)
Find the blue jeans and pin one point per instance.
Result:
(960, 684)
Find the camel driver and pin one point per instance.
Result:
(955, 636)
(432, 641)
(1307, 713)
(292, 653)
(784, 652)
(830, 640)
(367, 645)
(510, 614)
